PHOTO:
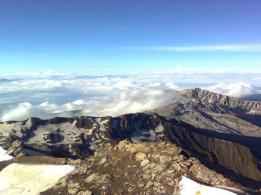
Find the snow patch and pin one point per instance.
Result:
(30, 179)
(190, 187)
(4, 156)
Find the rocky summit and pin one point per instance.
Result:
(147, 168)
(210, 138)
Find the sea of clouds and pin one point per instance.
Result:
(46, 95)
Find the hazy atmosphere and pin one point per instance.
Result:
(61, 58)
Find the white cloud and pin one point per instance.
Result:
(185, 70)
(129, 101)
(71, 95)
(204, 48)
(234, 89)
(18, 113)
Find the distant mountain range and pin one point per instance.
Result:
(222, 132)
(215, 112)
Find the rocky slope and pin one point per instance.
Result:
(237, 156)
(220, 131)
(216, 112)
(147, 168)
(78, 137)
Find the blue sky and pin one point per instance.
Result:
(123, 36)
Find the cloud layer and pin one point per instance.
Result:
(50, 95)
(235, 89)
(204, 48)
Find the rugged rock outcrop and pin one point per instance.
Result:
(147, 168)
(78, 137)
(215, 112)
(221, 100)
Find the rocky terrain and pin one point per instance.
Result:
(216, 112)
(211, 138)
(147, 168)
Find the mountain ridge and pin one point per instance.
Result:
(212, 111)
(213, 149)
(234, 154)
(212, 97)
